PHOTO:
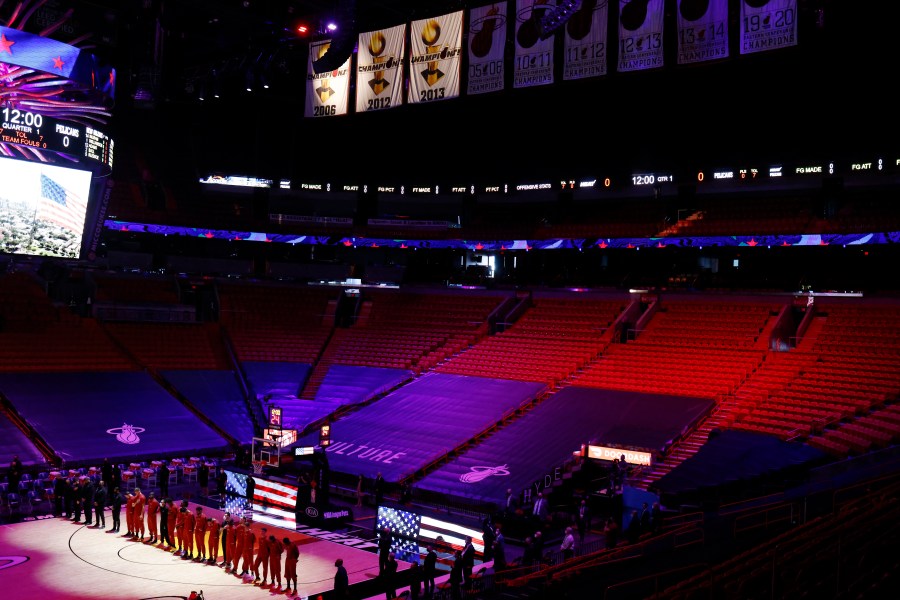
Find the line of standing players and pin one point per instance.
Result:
(192, 535)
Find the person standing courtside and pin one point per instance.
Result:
(262, 559)
(152, 516)
(249, 547)
(429, 570)
(164, 522)
(384, 548)
(291, 556)
(138, 513)
(212, 542)
(100, 506)
(200, 534)
(172, 523)
(87, 500)
(378, 487)
(189, 524)
(341, 580)
(179, 530)
(468, 564)
(225, 530)
(115, 507)
(162, 475)
(275, 551)
(106, 471)
(129, 514)
(239, 532)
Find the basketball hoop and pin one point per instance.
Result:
(258, 466)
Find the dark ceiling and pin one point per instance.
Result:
(830, 91)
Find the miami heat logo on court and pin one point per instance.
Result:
(127, 434)
(7, 562)
(481, 473)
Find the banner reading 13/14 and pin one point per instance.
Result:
(435, 49)
(379, 69)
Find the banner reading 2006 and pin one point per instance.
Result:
(326, 93)
(435, 48)
(379, 69)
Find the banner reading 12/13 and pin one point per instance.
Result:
(379, 69)
(640, 34)
(435, 50)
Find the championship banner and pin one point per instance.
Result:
(487, 41)
(326, 93)
(585, 41)
(435, 50)
(379, 69)
(768, 25)
(702, 30)
(534, 56)
(640, 34)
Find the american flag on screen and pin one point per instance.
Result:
(274, 502)
(61, 206)
(426, 529)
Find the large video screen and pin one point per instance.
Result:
(42, 208)
(421, 529)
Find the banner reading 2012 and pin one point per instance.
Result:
(379, 69)
(435, 49)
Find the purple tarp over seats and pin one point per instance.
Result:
(275, 378)
(530, 448)
(91, 416)
(342, 385)
(420, 422)
(13, 442)
(732, 456)
(347, 384)
(217, 394)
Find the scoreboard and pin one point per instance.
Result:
(84, 143)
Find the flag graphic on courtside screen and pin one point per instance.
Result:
(276, 501)
(61, 206)
(427, 529)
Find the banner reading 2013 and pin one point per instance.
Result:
(435, 49)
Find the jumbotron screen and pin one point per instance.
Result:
(42, 208)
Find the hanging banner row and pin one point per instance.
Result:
(436, 48)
